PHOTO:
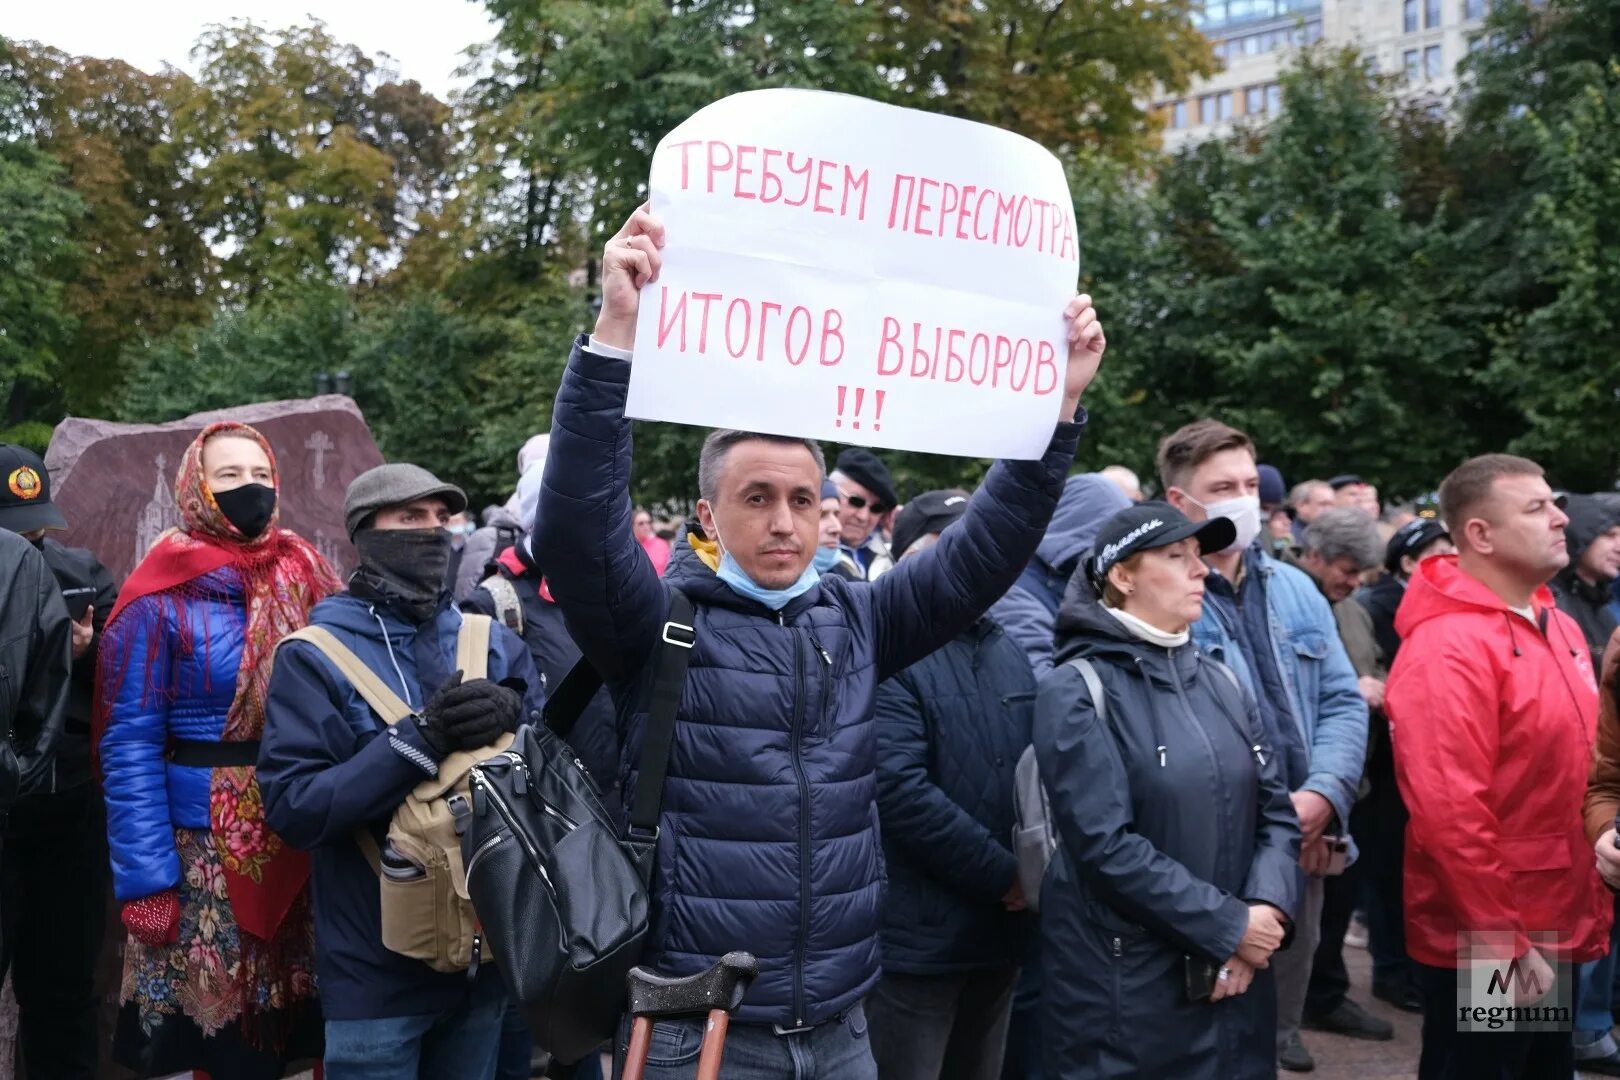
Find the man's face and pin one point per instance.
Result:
(859, 513)
(429, 513)
(1320, 498)
(231, 461)
(767, 511)
(642, 525)
(1600, 562)
(1349, 495)
(1229, 474)
(1369, 502)
(1337, 579)
(1440, 546)
(1280, 525)
(831, 524)
(1520, 529)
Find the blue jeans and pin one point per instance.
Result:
(460, 1044)
(835, 1050)
(1593, 1019)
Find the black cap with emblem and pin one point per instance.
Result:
(25, 492)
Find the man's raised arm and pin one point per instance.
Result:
(603, 581)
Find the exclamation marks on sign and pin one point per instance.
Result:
(876, 417)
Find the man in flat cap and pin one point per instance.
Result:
(330, 766)
(866, 493)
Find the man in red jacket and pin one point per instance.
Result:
(1493, 710)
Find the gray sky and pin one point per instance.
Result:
(424, 37)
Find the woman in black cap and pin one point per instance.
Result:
(1177, 866)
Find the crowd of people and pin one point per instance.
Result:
(1265, 721)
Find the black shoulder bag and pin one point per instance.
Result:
(562, 897)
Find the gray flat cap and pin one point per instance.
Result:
(395, 485)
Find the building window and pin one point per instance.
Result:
(1476, 43)
(1178, 115)
(1223, 105)
(1206, 109)
(1410, 61)
(1409, 16)
(1431, 13)
(1433, 69)
(1254, 101)
(1273, 98)
(1473, 9)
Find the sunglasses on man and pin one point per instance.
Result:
(860, 502)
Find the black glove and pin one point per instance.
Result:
(469, 715)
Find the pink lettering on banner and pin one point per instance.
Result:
(874, 417)
(772, 175)
(742, 325)
(944, 209)
(955, 355)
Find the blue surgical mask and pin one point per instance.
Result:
(825, 559)
(775, 599)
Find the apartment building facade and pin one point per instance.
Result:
(1422, 41)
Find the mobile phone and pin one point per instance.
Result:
(1200, 975)
(78, 601)
(1338, 855)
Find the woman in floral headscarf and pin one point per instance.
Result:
(218, 967)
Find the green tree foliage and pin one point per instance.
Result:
(36, 260)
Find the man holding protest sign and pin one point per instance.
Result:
(768, 836)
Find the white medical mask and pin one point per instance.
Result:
(1243, 512)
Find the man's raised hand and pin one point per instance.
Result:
(630, 260)
(1086, 345)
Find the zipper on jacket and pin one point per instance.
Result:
(804, 832)
(825, 728)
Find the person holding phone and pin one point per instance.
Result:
(1176, 875)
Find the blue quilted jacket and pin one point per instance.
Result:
(951, 728)
(198, 659)
(769, 833)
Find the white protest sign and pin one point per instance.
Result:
(845, 270)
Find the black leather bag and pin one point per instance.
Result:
(561, 895)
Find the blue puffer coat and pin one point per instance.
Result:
(951, 728)
(769, 836)
(194, 649)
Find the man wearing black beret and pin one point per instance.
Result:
(866, 493)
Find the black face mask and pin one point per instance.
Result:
(405, 569)
(249, 507)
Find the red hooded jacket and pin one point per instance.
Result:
(1492, 720)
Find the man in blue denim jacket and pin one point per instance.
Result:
(1269, 623)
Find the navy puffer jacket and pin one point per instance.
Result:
(769, 835)
(951, 728)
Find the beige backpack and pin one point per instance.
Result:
(426, 914)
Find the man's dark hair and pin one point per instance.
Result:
(1470, 484)
(1183, 450)
(719, 444)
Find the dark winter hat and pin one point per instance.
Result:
(394, 485)
(1344, 480)
(1410, 539)
(929, 512)
(1150, 525)
(829, 490)
(863, 467)
(1273, 492)
(25, 492)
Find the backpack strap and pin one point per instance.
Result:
(1088, 673)
(669, 678)
(472, 647)
(373, 690)
(508, 608)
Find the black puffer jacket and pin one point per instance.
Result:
(1158, 856)
(1590, 516)
(36, 667)
(950, 730)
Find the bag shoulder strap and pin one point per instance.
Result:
(1088, 672)
(508, 607)
(669, 678)
(365, 682)
(472, 646)
(567, 700)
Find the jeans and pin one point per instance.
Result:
(835, 1050)
(941, 1027)
(53, 896)
(1449, 1054)
(1329, 983)
(1293, 964)
(460, 1044)
(1593, 1022)
(1023, 1057)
